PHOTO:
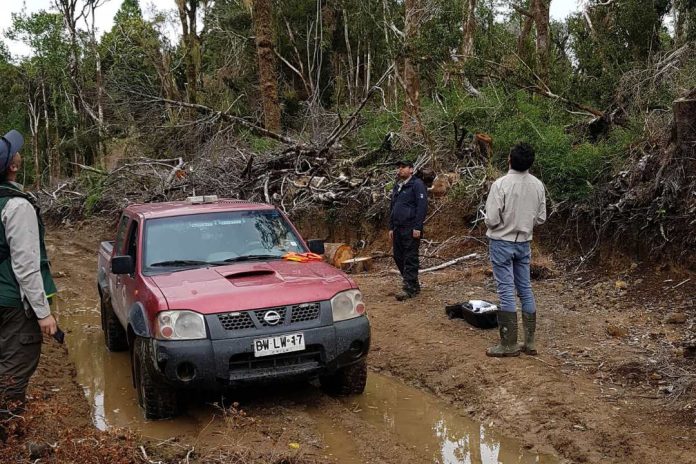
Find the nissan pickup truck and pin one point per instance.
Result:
(202, 295)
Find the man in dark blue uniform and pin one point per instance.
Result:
(409, 204)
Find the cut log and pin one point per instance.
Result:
(337, 253)
(359, 264)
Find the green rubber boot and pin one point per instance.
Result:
(529, 326)
(507, 324)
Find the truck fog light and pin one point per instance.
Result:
(186, 372)
(356, 348)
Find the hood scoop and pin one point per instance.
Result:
(253, 277)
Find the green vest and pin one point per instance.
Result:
(9, 288)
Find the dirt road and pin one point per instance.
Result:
(610, 385)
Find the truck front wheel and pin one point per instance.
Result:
(349, 380)
(158, 401)
(114, 335)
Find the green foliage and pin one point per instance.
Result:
(568, 164)
(258, 144)
(375, 126)
(93, 184)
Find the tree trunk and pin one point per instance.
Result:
(101, 149)
(469, 28)
(49, 151)
(522, 39)
(349, 52)
(188, 10)
(411, 79)
(263, 27)
(543, 41)
(55, 164)
(34, 117)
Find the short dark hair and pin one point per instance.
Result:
(521, 156)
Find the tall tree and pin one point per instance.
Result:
(468, 28)
(538, 14)
(263, 27)
(411, 78)
(188, 15)
(45, 81)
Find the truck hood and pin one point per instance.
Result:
(252, 285)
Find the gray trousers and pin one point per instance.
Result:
(20, 349)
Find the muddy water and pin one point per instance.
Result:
(417, 421)
(424, 424)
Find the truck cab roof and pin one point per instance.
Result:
(183, 208)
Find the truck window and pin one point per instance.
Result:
(121, 234)
(213, 238)
(132, 245)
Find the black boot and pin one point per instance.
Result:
(507, 324)
(529, 326)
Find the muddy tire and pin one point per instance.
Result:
(349, 380)
(114, 334)
(158, 401)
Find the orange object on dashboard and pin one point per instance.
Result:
(302, 257)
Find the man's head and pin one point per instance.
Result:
(521, 157)
(10, 159)
(404, 169)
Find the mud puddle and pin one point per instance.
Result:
(415, 420)
(423, 423)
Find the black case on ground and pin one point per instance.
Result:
(466, 311)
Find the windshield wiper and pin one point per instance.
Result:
(249, 258)
(179, 262)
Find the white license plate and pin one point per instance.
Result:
(279, 344)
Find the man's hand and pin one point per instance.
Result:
(48, 325)
(391, 235)
(416, 233)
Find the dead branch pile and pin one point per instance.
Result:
(653, 200)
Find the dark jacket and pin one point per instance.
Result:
(10, 295)
(409, 206)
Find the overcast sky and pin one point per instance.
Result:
(105, 14)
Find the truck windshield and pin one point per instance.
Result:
(216, 239)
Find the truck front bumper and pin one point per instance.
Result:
(219, 364)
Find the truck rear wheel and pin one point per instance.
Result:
(114, 334)
(349, 380)
(158, 401)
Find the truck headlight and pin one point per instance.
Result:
(180, 325)
(347, 305)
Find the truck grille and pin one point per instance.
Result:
(247, 361)
(305, 312)
(243, 320)
(236, 321)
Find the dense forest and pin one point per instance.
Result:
(275, 94)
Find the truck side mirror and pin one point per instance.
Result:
(316, 246)
(122, 265)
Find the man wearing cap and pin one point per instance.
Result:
(409, 204)
(25, 283)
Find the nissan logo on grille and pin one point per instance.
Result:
(271, 317)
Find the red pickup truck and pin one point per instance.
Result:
(199, 293)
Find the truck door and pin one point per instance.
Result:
(115, 280)
(130, 282)
(124, 295)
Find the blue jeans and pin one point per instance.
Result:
(510, 262)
